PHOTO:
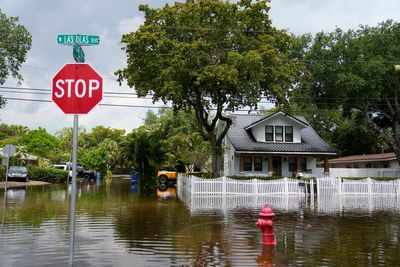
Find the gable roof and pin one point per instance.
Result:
(243, 140)
(268, 117)
(364, 158)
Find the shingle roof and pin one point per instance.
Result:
(244, 141)
(368, 157)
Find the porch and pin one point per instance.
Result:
(284, 165)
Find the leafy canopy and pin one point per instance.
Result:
(208, 55)
(15, 42)
(353, 71)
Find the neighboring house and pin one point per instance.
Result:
(370, 165)
(29, 158)
(277, 144)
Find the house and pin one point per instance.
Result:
(274, 145)
(367, 165)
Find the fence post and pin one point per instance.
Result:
(255, 184)
(224, 185)
(286, 185)
(312, 187)
(369, 186)
(317, 180)
(398, 187)
(339, 181)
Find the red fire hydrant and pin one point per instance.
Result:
(267, 226)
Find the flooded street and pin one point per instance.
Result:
(117, 227)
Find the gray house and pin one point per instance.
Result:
(276, 144)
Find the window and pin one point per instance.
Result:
(292, 164)
(248, 164)
(269, 133)
(320, 163)
(257, 164)
(288, 133)
(279, 133)
(368, 165)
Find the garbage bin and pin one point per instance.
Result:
(134, 177)
(98, 176)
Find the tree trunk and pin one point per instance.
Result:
(216, 161)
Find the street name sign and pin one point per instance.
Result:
(79, 39)
(77, 88)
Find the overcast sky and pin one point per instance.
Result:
(45, 19)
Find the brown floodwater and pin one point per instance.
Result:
(117, 227)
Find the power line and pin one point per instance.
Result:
(101, 104)
(127, 95)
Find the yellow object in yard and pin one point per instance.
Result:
(166, 174)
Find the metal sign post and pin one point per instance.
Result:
(76, 89)
(73, 197)
(9, 151)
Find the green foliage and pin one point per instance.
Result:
(182, 143)
(14, 45)
(353, 72)
(48, 175)
(145, 148)
(40, 143)
(94, 158)
(11, 134)
(207, 54)
(100, 134)
(352, 138)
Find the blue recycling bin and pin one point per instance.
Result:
(98, 176)
(134, 177)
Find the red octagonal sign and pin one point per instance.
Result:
(77, 88)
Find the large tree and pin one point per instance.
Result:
(210, 55)
(353, 71)
(15, 42)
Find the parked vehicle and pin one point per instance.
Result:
(167, 174)
(17, 173)
(87, 175)
(166, 178)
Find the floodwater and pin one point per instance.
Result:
(117, 227)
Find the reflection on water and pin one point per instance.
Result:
(117, 227)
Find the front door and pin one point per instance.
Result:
(276, 166)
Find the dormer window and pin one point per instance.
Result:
(269, 133)
(288, 133)
(278, 133)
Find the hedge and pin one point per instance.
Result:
(48, 175)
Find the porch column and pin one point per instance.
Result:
(326, 165)
(298, 164)
(270, 168)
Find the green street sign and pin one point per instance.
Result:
(78, 53)
(80, 39)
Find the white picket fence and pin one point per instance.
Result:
(366, 186)
(226, 186)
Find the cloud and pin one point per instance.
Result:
(129, 25)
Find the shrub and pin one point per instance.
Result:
(48, 175)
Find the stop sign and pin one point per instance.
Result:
(77, 88)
